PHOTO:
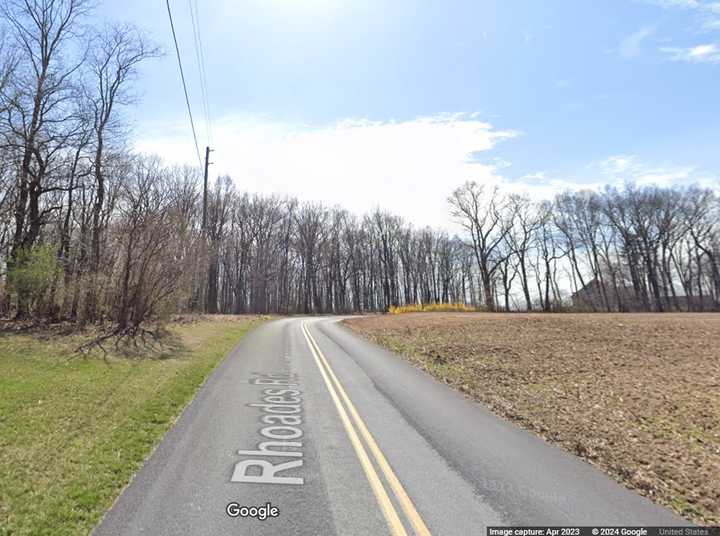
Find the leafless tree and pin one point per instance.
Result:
(115, 53)
(484, 215)
(120, 235)
(40, 106)
(520, 240)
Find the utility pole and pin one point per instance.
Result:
(205, 190)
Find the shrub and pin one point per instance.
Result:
(31, 273)
(433, 308)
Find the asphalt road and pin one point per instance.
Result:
(343, 437)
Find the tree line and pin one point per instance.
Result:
(635, 248)
(92, 232)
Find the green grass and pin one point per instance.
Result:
(74, 430)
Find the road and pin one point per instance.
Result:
(343, 437)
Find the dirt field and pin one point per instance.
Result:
(635, 394)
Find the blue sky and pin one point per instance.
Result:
(361, 102)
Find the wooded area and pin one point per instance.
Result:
(92, 232)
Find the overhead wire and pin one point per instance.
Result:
(200, 57)
(184, 84)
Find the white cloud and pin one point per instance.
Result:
(618, 169)
(409, 166)
(615, 170)
(631, 46)
(707, 20)
(711, 24)
(542, 187)
(536, 176)
(620, 163)
(707, 12)
(708, 53)
(687, 4)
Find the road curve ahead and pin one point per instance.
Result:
(341, 437)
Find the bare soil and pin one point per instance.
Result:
(637, 395)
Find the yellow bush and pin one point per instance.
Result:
(433, 308)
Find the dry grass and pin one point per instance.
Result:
(638, 395)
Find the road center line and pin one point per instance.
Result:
(403, 498)
(386, 506)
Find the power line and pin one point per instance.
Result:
(182, 76)
(200, 57)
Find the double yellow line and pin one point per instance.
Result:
(352, 427)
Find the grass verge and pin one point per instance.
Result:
(637, 395)
(73, 430)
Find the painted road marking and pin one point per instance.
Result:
(281, 407)
(400, 494)
(386, 506)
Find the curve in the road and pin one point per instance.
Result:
(343, 437)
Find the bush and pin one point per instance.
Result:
(433, 308)
(31, 273)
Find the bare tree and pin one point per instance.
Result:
(310, 221)
(701, 213)
(115, 54)
(484, 215)
(520, 240)
(218, 219)
(40, 105)
(119, 236)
